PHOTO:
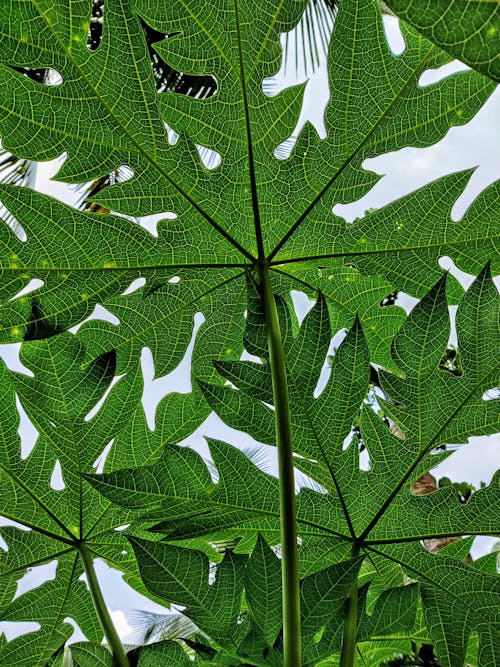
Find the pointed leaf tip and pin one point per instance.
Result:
(421, 341)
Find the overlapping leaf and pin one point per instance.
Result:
(182, 576)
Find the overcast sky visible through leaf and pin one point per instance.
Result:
(475, 145)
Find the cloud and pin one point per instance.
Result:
(121, 624)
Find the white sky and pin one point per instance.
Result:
(476, 144)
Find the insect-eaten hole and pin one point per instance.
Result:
(56, 479)
(46, 76)
(169, 80)
(96, 24)
(390, 299)
(450, 361)
(491, 394)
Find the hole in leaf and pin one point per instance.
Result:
(154, 223)
(92, 190)
(46, 76)
(99, 313)
(177, 380)
(305, 47)
(35, 577)
(465, 279)
(77, 631)
(393, 35)
(365, 463)
(450, 361)
(491, 394)
(92, 413)
(28, 434)
(168, 79)
(326, 370)
(33, 285)
(283, 151)
(431, 76)
(303, 481)
(96, 24)
(9, 353)
(100, 461)
(134, 286)
(12, 222)
(56, 479)
(210, 158)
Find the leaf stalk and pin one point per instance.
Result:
(349, 640)
(289, 549)
(119, 654)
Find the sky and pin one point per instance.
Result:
(475, 145)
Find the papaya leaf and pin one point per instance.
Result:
(263, 590)
(85, 654)
(373, 508)
(245, 234)
(90, 115)
(182, 576)
(166, 652)
(43, 491)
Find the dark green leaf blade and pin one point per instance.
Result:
(85, 654)
(263, 589)
(182, 576)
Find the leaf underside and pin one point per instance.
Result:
(82, 391)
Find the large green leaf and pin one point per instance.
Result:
(373, 509)
(263, 592)
(103, 121)
(43, 490)
(163, 653)
(457, 601)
